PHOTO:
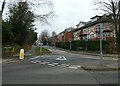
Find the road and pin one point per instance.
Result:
(47, 70)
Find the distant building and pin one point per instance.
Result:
(66, 35)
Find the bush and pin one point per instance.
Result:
(91, 45)
(10, 50)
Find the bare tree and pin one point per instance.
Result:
(53, 38)
(53, 33)
(111, 7)
(44, 36)
(43, 9)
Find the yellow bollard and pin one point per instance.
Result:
(21, 56)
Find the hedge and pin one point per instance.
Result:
(91, 45)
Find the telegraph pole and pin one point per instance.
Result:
(100, 33)
(118, 28)
(101, 53)
(70, 45)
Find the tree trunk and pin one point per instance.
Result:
(3, 5)
(118, 41)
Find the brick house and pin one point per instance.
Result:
(78, 32)
(66, 35)
(60, 37)
(90, 29)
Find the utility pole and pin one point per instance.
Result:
(70, 45)
(118, 39)
(100, 32)
(101, 54)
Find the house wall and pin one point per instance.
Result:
(76, 35)
(68, 36)
(94, 35)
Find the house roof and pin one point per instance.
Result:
(96, 17)
(81, 22)
(100, 20)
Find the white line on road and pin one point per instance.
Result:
(55, 63)
(51, 64)
(6, 60)
(34, 57)
(73, 67)
(33, 62)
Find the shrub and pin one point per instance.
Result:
(91, 45)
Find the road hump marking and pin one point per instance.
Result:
(61, 58)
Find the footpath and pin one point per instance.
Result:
(113, 66)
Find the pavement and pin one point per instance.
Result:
(108, 56)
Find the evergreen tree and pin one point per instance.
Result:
(21, 19)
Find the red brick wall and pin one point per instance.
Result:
(68, 36)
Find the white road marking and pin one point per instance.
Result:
(73, 67)
(51, 64)
(65, 65)
(55, 63)
(76, 65)
(33, 62)
(61, 58)
(6, 60)
(34, 57)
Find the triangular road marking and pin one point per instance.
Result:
(61, 58)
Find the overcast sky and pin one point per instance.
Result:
(68, 14)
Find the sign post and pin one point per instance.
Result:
(86, 40)
(70, 45)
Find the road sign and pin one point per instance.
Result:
(86, 39)
(61, 58)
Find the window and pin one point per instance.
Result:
(92, 36)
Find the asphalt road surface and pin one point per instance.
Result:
(47, 69)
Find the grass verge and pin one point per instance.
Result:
(42, 51)
(10, 50)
